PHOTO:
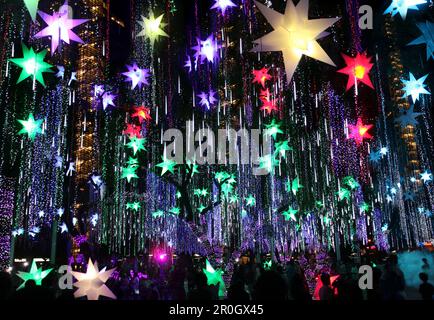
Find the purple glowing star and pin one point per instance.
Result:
(98, 90)
(207, 99)
(137, 76)
(107, 100)
(223, 5)
(59, 27)
(206, 49)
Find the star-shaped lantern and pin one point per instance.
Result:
(31, 127)
(357, 70)
(223, 5)
(214, 277)
(152, 28)
(359, 132)
(167, 165)
(414, 88)
(36, 274)
(137, 76)
(261, 76)
(402, 6)
(427, 38)
(141, 113)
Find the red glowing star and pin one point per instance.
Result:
(142, 113)
(132, 131)
(269, 104)
(359, 131)
(357, 69)
(261, 76)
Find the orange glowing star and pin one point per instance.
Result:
(261, 76)
(357, 69)
(359, 132)
(142, 113)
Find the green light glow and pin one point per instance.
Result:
(31, 127)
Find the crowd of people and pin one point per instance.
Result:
(184, 279)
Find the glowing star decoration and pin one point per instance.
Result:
(41, 214)
(267, 265)
(136, 144)
(364, 207)
(281, 148)
(290, 214)
(59, 28)
(384, 151)
(92, 283)
(261, 76)
(32, 7)
(71, 169)
(214, 277)
(427, 38)
(402, 6)
(32, 64)
(132, 131)
(129, 173)
(63, 228)
(133, 162)
(385, 227)
(414, 88)
(36, 274)
(193, 167)
(374, 156)
(250, 201)
(152, 28)
(426, 176)
(359, 132)
(295, 186)
(207, 99)
(142, 114)
(94, 219)
(408, 196)
(351, 182)
(98, 90)
(357, 69)
(268, 163)
(96, 180)
(31, 127)
(175, 211)
(294, 34)
(408, 117)
(273, 129)
(233, 199)
(60, 212)
(343, 194)
(137, 76)
(73, 78)
(223, 5)
(134, 206)
(268, 106)
(157, 214)
(60, 72)
(206, 49)
(107, 100)
(167, 165)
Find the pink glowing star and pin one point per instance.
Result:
(359, 132)
(137, 76)
(59, 27)
(261, 76)
(223, 5)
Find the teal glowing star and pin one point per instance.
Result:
(273, 129)
(136, 144)
(133, 162)
(268, 163)
(157, 214)
(408, 117)
(221, 176)
(201, 208)
(214, 277)
(293, 186)
(201, 192)
(281, 148)
(326, 220)
(250, 201)
(427, 38)
(267, 265)
(364, 207)
(343, 194)
(426, 176)
(374, 156)
(178, 195)
(414, 88)
(233, 198)
(193, 167)
(351, 182)
(134, 206)
(402, 6)
(35, 274)
(32, 64)
(319, 204)
(31, 127)
(129, 173)
(290, 214)
(166, 165)
(175, 211)
(227, 188)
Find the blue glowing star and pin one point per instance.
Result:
(414, 88)
(402, 6)
(375, 156)
(408, 196)
(408, 117)
(426, 176)
(427, 38)
(223, 5)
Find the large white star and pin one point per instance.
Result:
(294, 34)
(92, 283)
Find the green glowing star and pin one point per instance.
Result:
(35, 274)
(167, 165)
(294, 186)
(268, 162)
(364, 207)
(221, 176)
(319, 204)
(326, 220)
(134, 206)
(250, 201)
(157, 214)
(132, 162)
(214, 277)
(136, 144)
(233, 198)
(343, 194)
(32, 64)
(351, 182)
(281, 148)
(129, 173)
(290, 214)
(201, 208)
(32, 7)
(152, 28)
(193, 167)
(227, 188)
(31, 127)
(273, 129)
(175, 211)
(267, 265)
(178, 195)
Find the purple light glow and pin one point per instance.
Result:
(206, 49)
(137, 76)
(222, 5)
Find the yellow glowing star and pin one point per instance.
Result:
(294, 34)
(92, 283)
(152, 27)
